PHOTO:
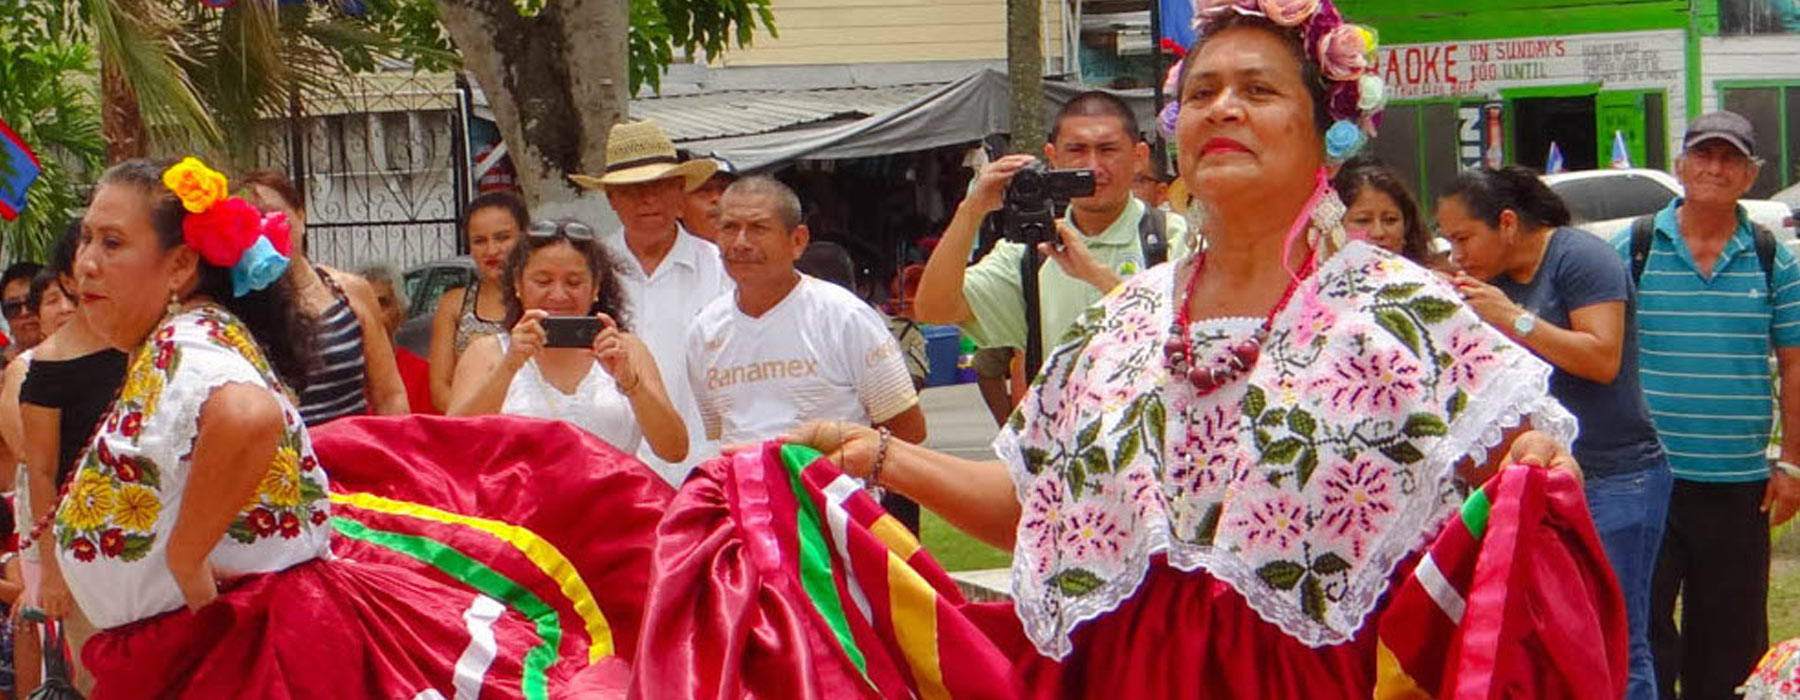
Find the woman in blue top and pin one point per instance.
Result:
(1566, 295)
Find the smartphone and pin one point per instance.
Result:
(570, 331)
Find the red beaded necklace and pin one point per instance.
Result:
(1178, 352)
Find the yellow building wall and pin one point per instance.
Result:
(815, 32)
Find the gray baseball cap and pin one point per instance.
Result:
(1727, 126)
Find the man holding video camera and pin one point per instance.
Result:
(1104, 238)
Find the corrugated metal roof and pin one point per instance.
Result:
(722, 114)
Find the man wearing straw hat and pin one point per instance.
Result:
(668, 275)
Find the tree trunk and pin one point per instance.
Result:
(556, 83)
(121, 121)
(1025, 68)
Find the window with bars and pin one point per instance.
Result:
(1774, 111)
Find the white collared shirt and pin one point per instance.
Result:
(663, 306)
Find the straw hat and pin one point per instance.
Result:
(640, 152)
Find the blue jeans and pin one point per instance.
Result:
(1630, 511)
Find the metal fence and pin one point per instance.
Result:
(384, 169)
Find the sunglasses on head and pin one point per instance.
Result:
(573, 230)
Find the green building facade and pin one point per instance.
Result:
(1499, 81)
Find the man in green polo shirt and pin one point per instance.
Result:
(1102, 240)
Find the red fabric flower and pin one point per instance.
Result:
(112, 542)
(275, 226)
(290, 526)
(263, 522)
(223, 232)
(319, 516)
(165, 354)
(83, 548)
(106, 455)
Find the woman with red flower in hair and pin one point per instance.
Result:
(196, 530)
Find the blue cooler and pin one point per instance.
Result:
(943, 345)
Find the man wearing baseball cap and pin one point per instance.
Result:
(700, 212)
(1716, 295)
(668, 275)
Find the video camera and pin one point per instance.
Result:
(1035, 198)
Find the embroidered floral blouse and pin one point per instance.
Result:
(112, 527)
(1301, 486)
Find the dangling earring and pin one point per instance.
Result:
(174, 303)
(1328, 234)
(1196, 224)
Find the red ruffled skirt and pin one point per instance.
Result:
(492, 558)
(774, 578)
(340, 629)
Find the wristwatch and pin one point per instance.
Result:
(1788, 468)
(1524, 323)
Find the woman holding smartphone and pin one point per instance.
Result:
(608, 386)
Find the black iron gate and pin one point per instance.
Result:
(384, 168)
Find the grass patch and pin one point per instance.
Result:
(1784, 599)
(957, 551)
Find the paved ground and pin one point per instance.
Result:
(957, 421)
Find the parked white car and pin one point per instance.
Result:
(1605, 201)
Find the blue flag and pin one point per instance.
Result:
(1621, 156)
(18, 169)
(1177, 18)
(1554, 164)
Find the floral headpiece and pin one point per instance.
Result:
(1344, 53)
(226, 231)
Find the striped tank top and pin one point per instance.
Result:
(336, 387)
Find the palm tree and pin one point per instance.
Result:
(183, 75)
(49, 103)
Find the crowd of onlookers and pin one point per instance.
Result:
(715, 320)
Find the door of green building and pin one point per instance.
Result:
(1638, 115)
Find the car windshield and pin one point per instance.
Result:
(1621, 196)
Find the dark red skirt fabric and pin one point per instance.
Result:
(328, 630)
(1192, 636)
(494, 558)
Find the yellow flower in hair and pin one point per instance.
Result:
(198, 186)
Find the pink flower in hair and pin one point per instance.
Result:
(1207, 7)
(1289, 13)
(1345, 52)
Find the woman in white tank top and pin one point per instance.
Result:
(610, 388)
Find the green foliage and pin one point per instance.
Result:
(699, 28)
(413, 26)
(249, 61)
(49, 103)
(661, 30)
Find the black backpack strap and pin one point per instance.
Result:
(1765, 255)
(1153, 233)
(1643, 229)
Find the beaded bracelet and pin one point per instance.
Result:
(881, 448)
(37, 529)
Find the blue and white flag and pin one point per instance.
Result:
(1621, 156)
(1554, 164)
(18, 169)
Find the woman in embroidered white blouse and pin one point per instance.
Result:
(1212, 484)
